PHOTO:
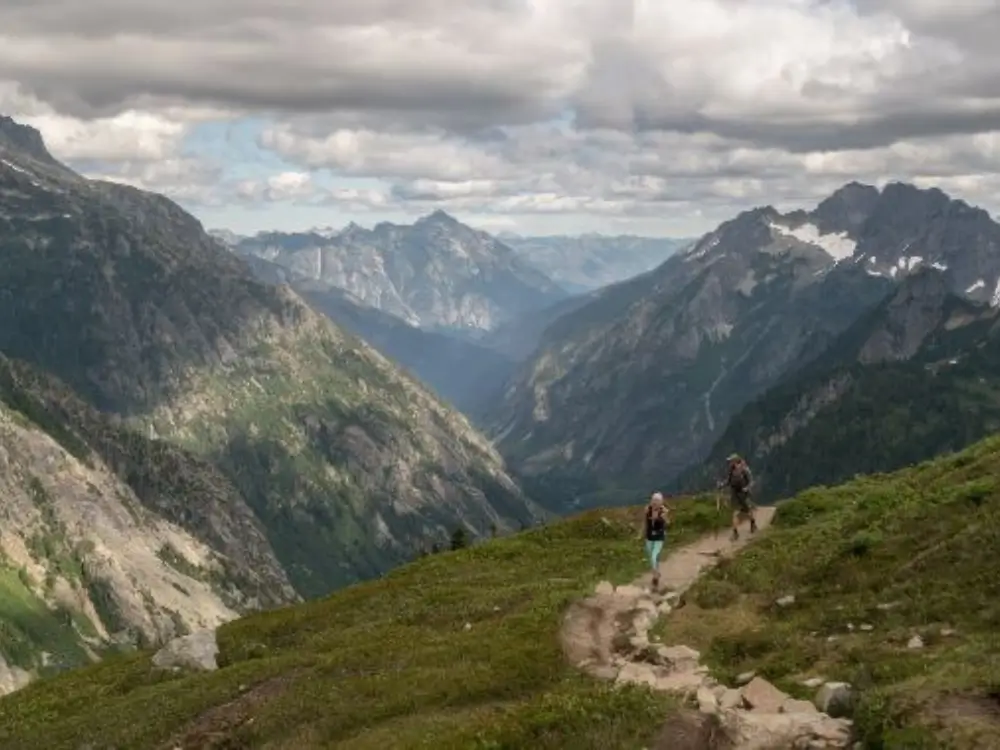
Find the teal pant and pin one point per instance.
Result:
(653, 550)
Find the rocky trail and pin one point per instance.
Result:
(607, 635)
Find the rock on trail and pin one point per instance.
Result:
(607, 635)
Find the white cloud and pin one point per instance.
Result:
(512, 108)
(285, 186)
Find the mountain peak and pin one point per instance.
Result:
(24, 139)
(847, 208)
(439, 217)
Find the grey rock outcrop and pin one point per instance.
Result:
(197, 651)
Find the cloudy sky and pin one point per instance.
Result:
(645, 116)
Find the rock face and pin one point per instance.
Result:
(90, 561)
(348, 464)
(434, 274)
(684, 348)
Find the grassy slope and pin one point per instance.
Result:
(29, 627)
(385, 664)
(922, 543)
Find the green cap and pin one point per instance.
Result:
(733, 457)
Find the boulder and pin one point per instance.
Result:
(730, 698)
(629, 591)
(835, 699)
(763, 697)
(707, 702)
(637, 674)
(197, 651)
(793, 706)
(12, 678)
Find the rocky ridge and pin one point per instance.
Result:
(434, 274)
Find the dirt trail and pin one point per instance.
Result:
(607, 635)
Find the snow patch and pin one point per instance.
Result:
(16, 168)
(876, 274)
(978, 285)
(893, 271)
(720, 331)
(995, 302)
(939, 266)
(700, 249)
(839, 246)
(908, 263)
(871, 258)
(747, 284)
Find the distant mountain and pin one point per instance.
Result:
(586, 262)
(461, 371)
(436, 274)
(639, 384)
(916, 377)
(347, 465)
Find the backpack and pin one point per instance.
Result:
(739, 477)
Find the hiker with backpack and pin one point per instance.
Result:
(739, 479)
(656, 521)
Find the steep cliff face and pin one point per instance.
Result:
(434, 274)
(87, 563)
(349, 465)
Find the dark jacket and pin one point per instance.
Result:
(739, 478)
(656, 524)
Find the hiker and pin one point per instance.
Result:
(739, 480)
(657, 518)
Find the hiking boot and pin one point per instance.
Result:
(656, 581)
(736, 534)
(753, 526)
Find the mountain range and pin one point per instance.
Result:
(644, 379)
(195, 442)
(466, 365)
(436, 274)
